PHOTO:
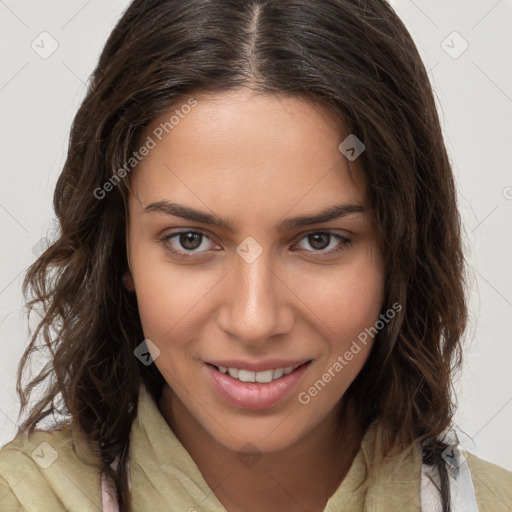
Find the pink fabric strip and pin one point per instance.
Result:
(108, 491)
(108, 495)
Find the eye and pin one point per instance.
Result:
(324, 242)
(187, 243)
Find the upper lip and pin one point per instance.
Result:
(258, 366)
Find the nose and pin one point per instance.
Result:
(256, 302)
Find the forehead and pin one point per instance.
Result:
(242, 149)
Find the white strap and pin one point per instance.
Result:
(462, 492)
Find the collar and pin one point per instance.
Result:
(165, 477)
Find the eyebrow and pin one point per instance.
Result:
(185, 212)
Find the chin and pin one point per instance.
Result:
(265, 435)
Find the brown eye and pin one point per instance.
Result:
(187, 243)
(190, 241)
(323, 242)
(319, 240)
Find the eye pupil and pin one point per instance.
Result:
(190, 240)
(319, 240)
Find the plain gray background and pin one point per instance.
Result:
(39, 95)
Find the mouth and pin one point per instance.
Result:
(250, 389)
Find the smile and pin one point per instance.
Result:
(251, 389)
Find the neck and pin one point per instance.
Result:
(306, 473)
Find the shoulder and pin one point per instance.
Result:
(51, 470)
(492, 483)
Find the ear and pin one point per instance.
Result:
(128, 281)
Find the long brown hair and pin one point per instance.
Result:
(356, 57)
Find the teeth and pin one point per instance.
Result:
(246, 376)
(261, 377)
(264, 377)
(278, 373)
(233, 372)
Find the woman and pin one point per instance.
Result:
(256, 299)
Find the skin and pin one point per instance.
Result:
(254, 160)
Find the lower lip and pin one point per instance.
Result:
(254, 395)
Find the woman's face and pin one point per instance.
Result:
(236, 271)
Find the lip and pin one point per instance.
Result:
(254, 395)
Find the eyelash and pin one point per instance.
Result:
(345, 243)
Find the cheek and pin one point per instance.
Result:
(168, 301)
(350, 304)
(347, 304)
(166, 293)
(359, 301)
(347, 300)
